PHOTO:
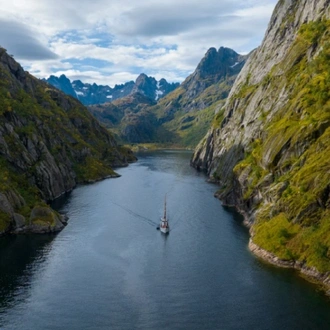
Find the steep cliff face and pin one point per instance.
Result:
(268, 145)
(216, 67)
(210, 82)
(48, 143)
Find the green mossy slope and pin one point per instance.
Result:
(292, 156)
(48, 143)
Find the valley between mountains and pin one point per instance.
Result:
(259, 124)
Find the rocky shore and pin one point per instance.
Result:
(311, 273)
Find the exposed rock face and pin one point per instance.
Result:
(44, 220)
(150, 87)
(210, 82)
(90, 94)
(267, 153)
(62, 83)
(216, 67)
(48, 143)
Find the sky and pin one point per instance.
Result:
(112, 41)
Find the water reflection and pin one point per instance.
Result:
(111, 269)
(19, 257)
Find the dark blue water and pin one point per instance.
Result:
(111, 269)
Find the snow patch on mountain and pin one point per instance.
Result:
(159, 93)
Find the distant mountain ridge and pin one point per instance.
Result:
(181, 117)
(89, 94)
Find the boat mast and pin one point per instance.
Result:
(165, 209)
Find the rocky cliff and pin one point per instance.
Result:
(268, 146)
(215, 68)
(48, 143)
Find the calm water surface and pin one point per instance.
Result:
(111, 269)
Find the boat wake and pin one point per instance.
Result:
(137, 215)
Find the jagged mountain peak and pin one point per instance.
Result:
(223, 53)
(215, 66)
(90, 94)
(63, 83)
(219, 63)
(143, 80)
(142, 76)
(78, 83)
(145, 85)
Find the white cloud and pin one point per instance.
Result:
(102, 41)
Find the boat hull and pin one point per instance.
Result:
(165, 230)
(164, 227)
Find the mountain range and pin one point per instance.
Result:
(182, 116)
(89, 94)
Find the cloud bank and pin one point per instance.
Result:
(19, 39)
(112, 42)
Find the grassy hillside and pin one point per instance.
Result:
(188, 119)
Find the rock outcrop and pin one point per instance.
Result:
(151, 88)
(48, 143)
(215, 68)
(268, 150)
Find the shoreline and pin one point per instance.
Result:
(25, 229)
(309, 273)
(145, 147)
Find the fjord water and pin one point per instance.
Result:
(111, 269)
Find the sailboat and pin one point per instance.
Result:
(164, 226)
